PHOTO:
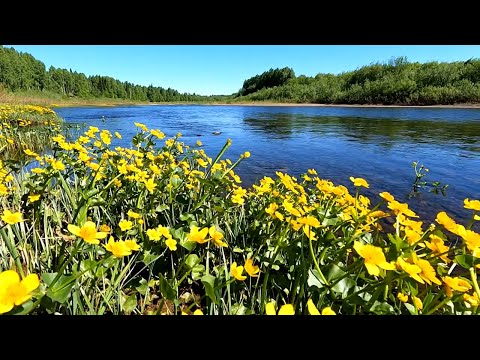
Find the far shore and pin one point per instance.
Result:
(111, 102)
(271, 104)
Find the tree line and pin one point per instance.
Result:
(20, 71)
(396, 81)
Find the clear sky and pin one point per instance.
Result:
(221, 69)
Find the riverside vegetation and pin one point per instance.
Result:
(397, 81)
(162, 228)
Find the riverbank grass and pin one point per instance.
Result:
(160, 227)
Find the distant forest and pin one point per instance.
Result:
(396, 81)
(20, 71)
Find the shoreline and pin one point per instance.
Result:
(113, 103)
(269, 104)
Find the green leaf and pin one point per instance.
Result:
(467, 261)
(161, 208)
(166, 289)
(197, 272)
(187, 216)
(382, 308)
(23, 309)
(192, 260)
(143, 287)
(148, 257)
(178, 234)
(60, 291)
(314, 279)
(130, 303)
(209, 282)
(238, 309)
(411, 308)
(88, 265)
(399, 243)
(334, 272)
(187, 244)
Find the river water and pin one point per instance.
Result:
(378, 144)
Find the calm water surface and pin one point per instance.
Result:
(378, 144)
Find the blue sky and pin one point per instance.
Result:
(221, 69)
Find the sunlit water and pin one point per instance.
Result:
(378, 144)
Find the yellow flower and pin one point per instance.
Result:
(237, 271)
(34, 197)
(216, 237)
(88, 232)
(471, 299)
(118, 248)
(171, 244)
(117, 134)
(106, 138)
(198, 312)
(286, 309)
(14, 291)
(312, 171)
(141, 126)
(133, 214)
(132, 245)
(251, 269)
(309, 232)
(289, 207)
(150, 185)
(245, 155)
(202, 163)
(58, 165)
(448, 223)
(199, 143)
(402, 297)
(3, 190)
(125, 225)
(437, 246)
(105, 228)
(279, 216)
(30, 152)
(12, 218)
(312, 309)
(154, 234)
(271, 209)
(198, 236)
(359, 182)
(477, 217)
(472, 204)
(417, 302)
(428, 272)
(399, 208)
(374, 258)
(387, 196)
(457, 283)
(309, 220)
(411, 269)
(328, 311)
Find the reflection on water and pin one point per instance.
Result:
(378, 144)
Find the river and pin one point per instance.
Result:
(378, 144)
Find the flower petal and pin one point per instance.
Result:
(31, 282)
(101, 235)
(387, 266)
(74, 229)
(312, 309)
(328, 311)
(286, 309)
(9, 277)
(372, 269)
(5, 307)
(270, 308)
